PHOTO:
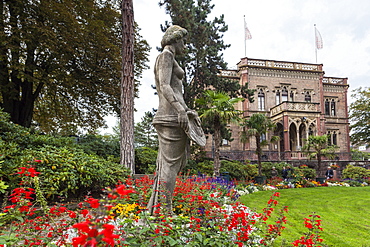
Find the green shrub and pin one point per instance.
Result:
(305, 172)
(267, 167)
(237, 170)
(104, 146)
(70, 172)
(66, 170)
(355, 172)
(145, 160)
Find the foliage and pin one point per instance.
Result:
(355, 172)
(359, 155)
(256, 126)
(360, 116)
(66, 169)
(194, 167)
(207, 215)
(102, 145)
(204, 56)
(238, 171)
(217, 109)
(145, 133)
(60, 63)
(340, 208)
(317, 147)
(145, 160)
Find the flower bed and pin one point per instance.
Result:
(206, 213)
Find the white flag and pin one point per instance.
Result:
(319, 44)
(248, 34)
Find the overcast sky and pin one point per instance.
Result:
(281, 30)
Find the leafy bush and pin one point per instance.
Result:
(305, 172)
(267, 167)
(66, 170)
(104, 146)
(145, 160)
(355, 172)
(237, 170)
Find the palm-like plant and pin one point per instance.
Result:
(218, 109)
(317, 147)
(257, 126)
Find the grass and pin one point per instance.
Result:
(345, 213)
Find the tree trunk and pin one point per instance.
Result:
(217, 140)
(319, 164)
(259, 154)
(127, 87)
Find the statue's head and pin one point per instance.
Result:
(173, 34)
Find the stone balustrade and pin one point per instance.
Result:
(294, 106)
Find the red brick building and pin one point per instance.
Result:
(299, 99)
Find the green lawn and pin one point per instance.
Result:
(345, 213)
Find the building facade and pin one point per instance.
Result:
(299, 99)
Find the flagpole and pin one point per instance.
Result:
(315, 42)
(245, 40)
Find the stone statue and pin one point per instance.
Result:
(174, 122)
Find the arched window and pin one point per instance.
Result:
(284, 94)
(327, 107)
(291, 96)
(329, 138)
(335, 138)
(307, 97)
(261, 100)
(277, 97)
(332, 107)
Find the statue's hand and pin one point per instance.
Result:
(183, 120)
(192, 114)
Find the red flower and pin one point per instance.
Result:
(72, 214)
(123, 191)
(79, 241)
(94, 203)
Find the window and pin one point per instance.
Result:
(332, 107)
(335, 138)
(332, 138)
(291, 96)
(261, 100)
(327, 107)
(284, 94)
(329, 138)
(263, 137)
(307, 97)
(277, 97)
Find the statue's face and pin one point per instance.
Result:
(180, 46)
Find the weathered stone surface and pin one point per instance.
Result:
(171, 120)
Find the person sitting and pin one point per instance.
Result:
(329, 174)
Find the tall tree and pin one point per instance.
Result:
(360, 117)
(204, 58)
(218, 109)
(258, 126)
(145, 133)
(318, 147)
(127, 87)
(60, 62)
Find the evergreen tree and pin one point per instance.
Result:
(204, 58)
(127, 87)
(60, 62)
(145, 133)
(360, 117)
